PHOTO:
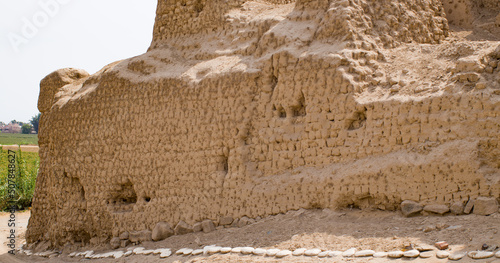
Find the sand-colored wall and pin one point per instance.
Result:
(270, 110)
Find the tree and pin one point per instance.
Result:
(34, 121)
(26, 128)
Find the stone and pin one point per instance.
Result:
(166, 253)
(323, 254)
(272, 252)
(225, 250)
(364, 253)
(334, 253)
(427, 254)
(259, 252)
(349, 253)
(283, 253)
(441, 245)
(115, 242)
(197, 252)
(235, 223)
(457, 255)
(424, 247)
(299, 252)
(208, 226)
(442, 254)
(128, 253)
(437, 209)
(312, 252)
(410, 208)
(182, 228)
(236, 250)
(247, 250)
(485, 206)
(187, 251)
(497, 254)
(457, 208)
(468, 207)
(225, 220)
(140, 236)
(380, 254)
(395, 254)
(161, 231)
(411, 253)
(212, 250)
(197, 227)
(243, 221)
(124, 235)
(480, 254)
(124, 243)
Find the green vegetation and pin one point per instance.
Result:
(26, 128)
(19, 139)
(34, 121)
(26, 171)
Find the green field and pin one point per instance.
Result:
(19, 139)
(25, 176)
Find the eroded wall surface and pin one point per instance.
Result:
(257, 108)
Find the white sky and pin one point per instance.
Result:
(68, 33)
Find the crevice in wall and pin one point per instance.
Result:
(357, 120)
(299, 110)
(123, 198)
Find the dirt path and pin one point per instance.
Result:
(21, 222)
(325, 229)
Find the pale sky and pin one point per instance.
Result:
(40, 36)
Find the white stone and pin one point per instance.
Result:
(323, 254)
(213, 250)
(395, 254)
(349, 253)
(299, 252)
(225, 250)
(380, 254)
(179, 252)
(312, 252)
(236, 250)
(498, 252)
(457, 255)
(118, 254)
(283, 253)
(259, 252)
(187, 251)
(272, 252)
(334, 253)
(146, 252)
(247, 250)
(364, 253)
(480, 254)
(411, 253)
(197, 252)
(137, 250)
(165, 254)
(427, 254)
(128, 253)
(70, 254)
(442, 254)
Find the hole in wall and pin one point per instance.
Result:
(357, 120)
(123, 198)
(147, 199)
(299, 110)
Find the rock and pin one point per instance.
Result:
(161, 231)
(498, 252)
(299, 252)
(208, 226)
(323, 254)
(197, 252)
(225, 220)
(166, 253)
(457, 255)
(468, 207)
(283, 253)
(247, 250)
(485, 206)
(272, 252)
(349, 253)
(480, 254)
(236, 250)
(128, 253)
(442, 254)
(410, 208)
(427, 254)
(124, 235)
(115, 242)
(187, 251)
(197, 227)
(124, 243)
(395, 254)
(424, 247)
(243, 221)
(182, 228)
(118, 254)
(225, 250)
(259, 252)
(457, 208)
(334, 253)
(312, 252)
(235, 223)
(411, 253)
(212, 250)
(441, 245)
(364, 253)
(437, 209)
(429, 228)
(380, 254)
(140, 236)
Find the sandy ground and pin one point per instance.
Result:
(325, 229)
(24, 148)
